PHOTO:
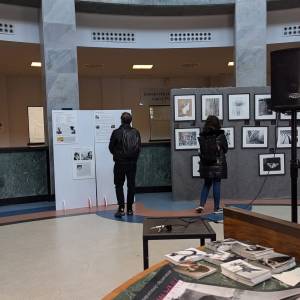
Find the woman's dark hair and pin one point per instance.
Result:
(212, 122)
(126, 118)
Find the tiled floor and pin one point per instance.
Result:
(86, 255)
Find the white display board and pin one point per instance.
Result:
(74, 158)
(105, 121)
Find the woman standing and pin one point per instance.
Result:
(213, 166)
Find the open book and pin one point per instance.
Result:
(183, 256)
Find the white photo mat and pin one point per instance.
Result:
(271, 164)
(239, 107)
(287, 116)
(186, 138)
(262, 112)
(254, 137)
(229, 134)
(284, 135)
(195, 166)
(212, 105)
(185, 108)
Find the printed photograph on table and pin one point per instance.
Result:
(262, 112)
(186, 138)
(284, 137)
(229, 134)
(184, 108)
(271, 164)
(287, 116)
(212, 105)
(239, 107)
(254, 137)
(195, 166)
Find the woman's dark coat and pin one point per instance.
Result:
(219, 168)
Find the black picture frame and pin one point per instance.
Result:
(281, 142)
(257, 98)
(230, 145)
(245, 116)
(195, 160)
(265, 167)
(190, 99)
(177, 146)
(247, 145)
(221, 106)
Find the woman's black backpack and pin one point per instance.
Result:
(209, 149)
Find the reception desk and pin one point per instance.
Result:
(24, 174)
(25, 177)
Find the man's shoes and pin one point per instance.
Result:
(199, 209)
(129, 212)
(120, 213)
(218, 211)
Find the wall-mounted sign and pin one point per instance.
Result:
(155, 96)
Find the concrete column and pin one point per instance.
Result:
(59, 59)
(250, 43)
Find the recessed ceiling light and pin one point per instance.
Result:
(36, 64)
(230, 63)
(142, 67)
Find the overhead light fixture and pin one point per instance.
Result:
(230, 63)
(142, 67)
(36, 64)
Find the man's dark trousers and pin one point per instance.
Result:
(122, 169)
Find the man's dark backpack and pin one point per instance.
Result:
(131, 143)
(209, 149)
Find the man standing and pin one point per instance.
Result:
(125, 146)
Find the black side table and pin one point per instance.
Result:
(181, 228)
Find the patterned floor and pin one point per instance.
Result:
(146, 205)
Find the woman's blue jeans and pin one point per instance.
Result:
(216, 183)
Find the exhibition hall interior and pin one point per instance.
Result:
(69, 69)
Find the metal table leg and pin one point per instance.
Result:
(145, 253)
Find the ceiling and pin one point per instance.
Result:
(15, 58)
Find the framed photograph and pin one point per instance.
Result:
(262, 112)
(184, 108)
(186, 138)
(229, 134)
(212, 105)
(284, 137)
(287, 116)
(254, 137)
(195, 166)
(239, 107)
(271, 164)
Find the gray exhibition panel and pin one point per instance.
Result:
(243, 180)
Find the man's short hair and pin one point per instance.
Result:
(126, 118)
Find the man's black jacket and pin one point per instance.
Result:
(116, 145)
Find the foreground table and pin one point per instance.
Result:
(168, 228)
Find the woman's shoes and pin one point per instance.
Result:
(218, 211)
(199, 209)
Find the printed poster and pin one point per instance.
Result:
(105, 124)
(83, 163)
(65, 127)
